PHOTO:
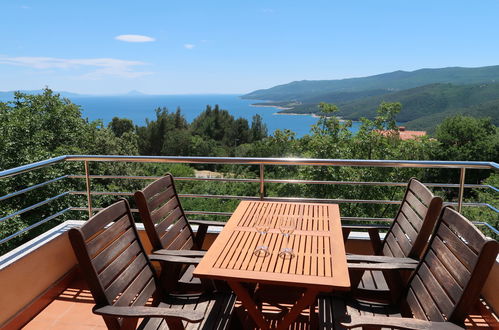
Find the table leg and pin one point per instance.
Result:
(249, 304)
(307, 299)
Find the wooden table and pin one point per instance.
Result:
(319, 264)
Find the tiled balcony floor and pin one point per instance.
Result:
(72, 309)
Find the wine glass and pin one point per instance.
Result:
(262, 225)
(287, 224)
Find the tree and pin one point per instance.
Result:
(258, 128)
(464, 138)
(38, 127)
(119, 126)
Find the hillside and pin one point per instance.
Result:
(388, 82)
(487, 109)
(425, 106)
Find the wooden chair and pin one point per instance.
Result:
(440, 293)
(122, 280)
(406, 238)
(168, 229)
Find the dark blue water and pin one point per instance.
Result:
(138, 108)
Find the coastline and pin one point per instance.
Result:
(270, 106)
(296, 114)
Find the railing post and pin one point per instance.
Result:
(461, 189)
(89, 195)
(262, 185)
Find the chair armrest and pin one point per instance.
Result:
(203, 229)
(365, 226)
(145, 311)
(381, 266)
(399, 323)
(175, 259)
(180, 253)
(207, 223)
(379, 259)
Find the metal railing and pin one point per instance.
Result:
(463, 166)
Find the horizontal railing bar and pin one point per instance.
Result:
(488, 225)
(227, 214)
(53, 216)
(286, 161)
(366, 219)
(36, 186)
(491, 187)
(290, 181)
(34, 206)
(280, 199)
(30, 167)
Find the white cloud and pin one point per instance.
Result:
(101, 66)
(189, 46)
(268, 11)
(134, 38)
(25, 7)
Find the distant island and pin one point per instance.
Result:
(427, 95)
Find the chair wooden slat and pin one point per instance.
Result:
(164, 210)
(417, 204)
(135, 287)
(105, 217)
(124, 278)
(474, 237)
(409, 213)
(420, 190)
(451, 262)
(113, 250)
(459, 248)
(402, 239)
(146, 294)
(180, 240)
(407, 227)
(394, 245)
(445, 304)
(431, 310)
(173, 217)
(99, 242)
(153, 189)
(168, 237)
(446, 280)
(415, 305)
(118, 264)
(162, 197)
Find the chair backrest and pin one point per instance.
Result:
(163, 217)
(411, 229)
(448, 281)
(113, 260)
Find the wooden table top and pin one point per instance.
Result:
(317, 242)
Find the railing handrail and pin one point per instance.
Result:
(288, 161)
(261, 162)
(254, 161)
(29, 167)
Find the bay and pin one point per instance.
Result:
(138, 108)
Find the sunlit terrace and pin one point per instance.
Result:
(44, 287)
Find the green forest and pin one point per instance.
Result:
(428, 95)
(38, 127)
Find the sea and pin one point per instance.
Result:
(138, 108)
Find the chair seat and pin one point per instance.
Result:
(188, 282)
(217, 308)
(373, 280)
(334, 309)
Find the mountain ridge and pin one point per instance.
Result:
(390, 81)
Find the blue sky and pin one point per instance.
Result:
(192, 47)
